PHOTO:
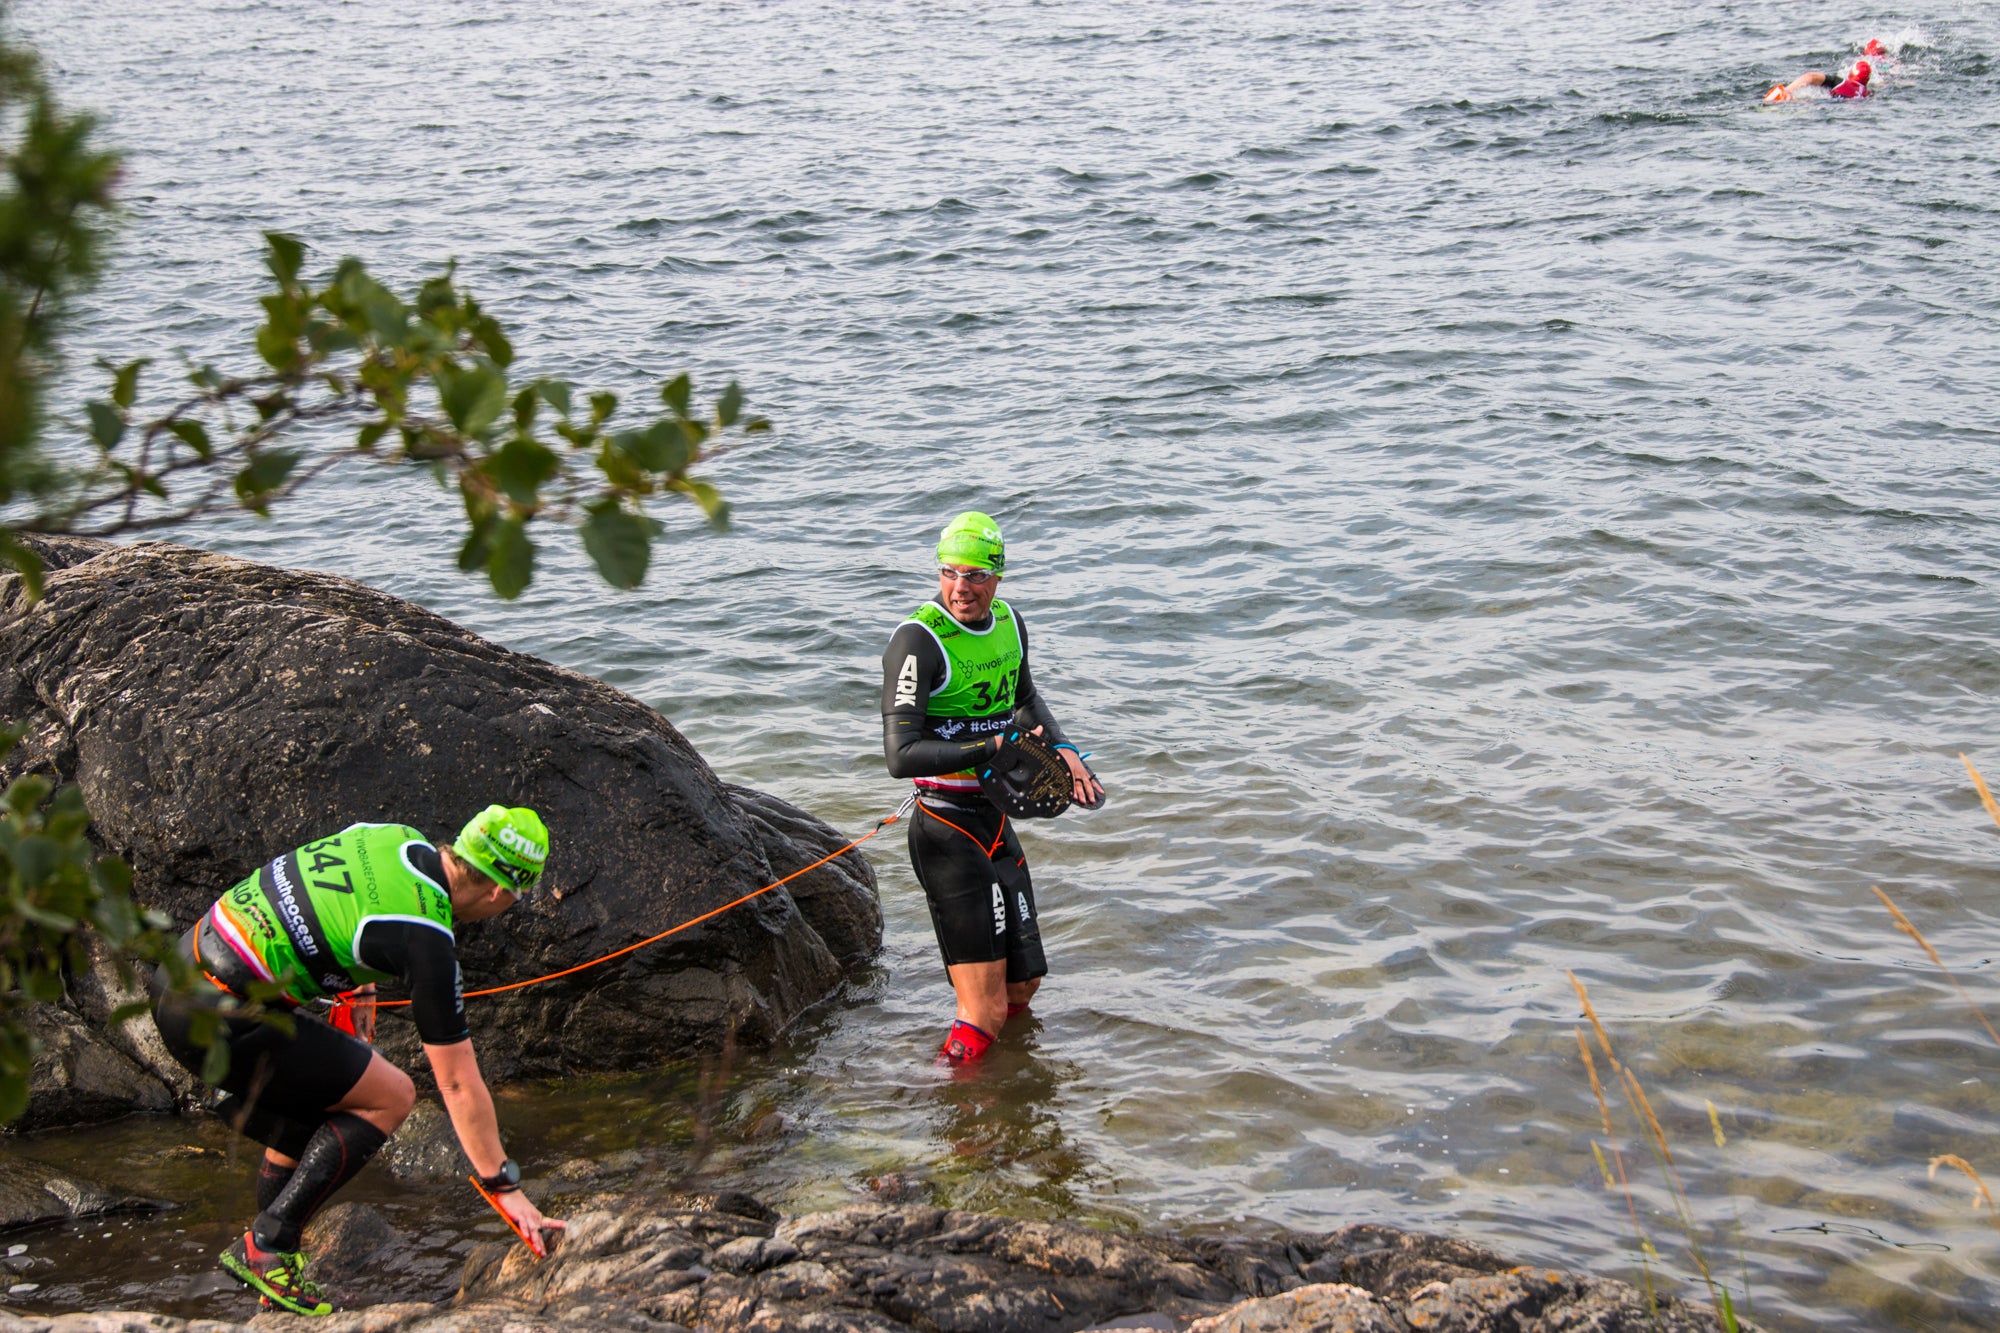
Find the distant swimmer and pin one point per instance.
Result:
(1854, 83)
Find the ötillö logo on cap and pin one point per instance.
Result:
(513, 840)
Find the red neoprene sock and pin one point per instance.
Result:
(964, 1044)
(1016, 1010)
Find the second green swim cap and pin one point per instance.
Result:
(973, 539)
(506, 846)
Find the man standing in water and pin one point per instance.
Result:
(372, 902)
(955, 679)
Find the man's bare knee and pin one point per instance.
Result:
(404, 1098)
(383, 1097)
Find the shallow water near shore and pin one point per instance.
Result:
(1495, 499)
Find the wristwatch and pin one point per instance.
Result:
(508, 1177)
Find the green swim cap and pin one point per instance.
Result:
(972, 539)
(506, 846)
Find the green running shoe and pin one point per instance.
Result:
(279, 1278)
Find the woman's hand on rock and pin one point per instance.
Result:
(521, 1211)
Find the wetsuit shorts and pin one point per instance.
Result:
(975, 876)
(280, 1086)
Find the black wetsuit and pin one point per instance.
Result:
(962, 847)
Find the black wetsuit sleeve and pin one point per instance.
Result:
(1031, 710)
(912, 667)
(421, 954)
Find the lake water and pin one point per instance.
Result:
(1496, 499)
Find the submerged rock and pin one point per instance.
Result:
(726, 1263)
(216, 712)
(32, 1194)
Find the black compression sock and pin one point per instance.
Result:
(339, 1149)
(271, 1179)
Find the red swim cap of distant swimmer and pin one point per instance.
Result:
(1874, 47)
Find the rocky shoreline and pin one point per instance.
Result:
(724, 1262)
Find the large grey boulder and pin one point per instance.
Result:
(216, 712)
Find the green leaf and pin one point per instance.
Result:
(23, 794)
(1728, 1312)
(492, 340)
(512, 561)
(29, 566)
(280, 352)
(284, 255)
(620, 543)
(757, 426)
(370, 435)
(215, 1065)
(194, 435)
(473, 397)
(712, 504)
(602, 405)
(35, 859)
(107, 423)
(114, 874)
(437, 294)
(555, 393)
(478, 543)
(661, 447)
(367, 305)
(676, 392)
(264, 474)
(525, 404)
(125, 383)
(519, 467)
(730, 405)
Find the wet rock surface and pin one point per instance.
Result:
(217, 711)
(424, 1147)
(81, 1076)
(32, 1194)
(725, 1262)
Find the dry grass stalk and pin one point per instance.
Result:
(1981, 1196)
(1903, 924)
(1591, 1014)
(1641, 1108)
(1645, 1105)
(1596, 1088)
(1985, 796)
(1636, 1096)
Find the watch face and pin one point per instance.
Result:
(510, 1171)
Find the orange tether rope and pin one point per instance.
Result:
(655, 939)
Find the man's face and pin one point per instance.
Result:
(967, 592)
(489, 903)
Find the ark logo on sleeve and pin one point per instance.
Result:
(906, 682)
